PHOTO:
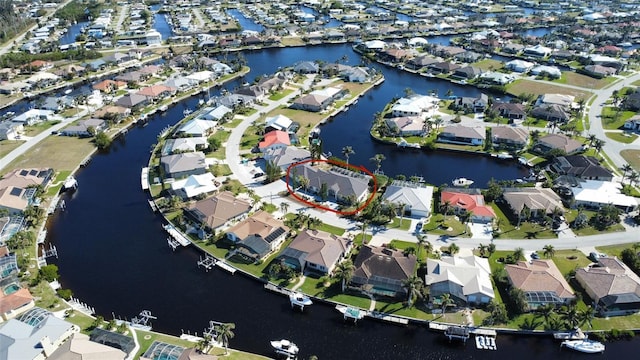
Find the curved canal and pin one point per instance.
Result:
(113, 252)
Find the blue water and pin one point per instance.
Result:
(245, 23)
(70, 36)
(161, 25)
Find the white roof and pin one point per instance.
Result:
(375, 44)
(417, 41)
(417, 197)
(602, 192)
(328, 91)
(519, 63)
(195, 185)
(471, 272)
(279, 122)
(197, 126)
(201, 75)
(415, 103)
(32, 113)
(545, 68)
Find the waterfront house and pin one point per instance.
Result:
(472, 104)
(467, 73)
(312, 102)
(273, 140)
(285, 157)
(613, 287)
(558, 141)
(512, 111)
(133, 101)
(194, 185)
(498, 78)
(463, 135)
(278, 122)
(443, 67)
(512, 48)
(258, 235)
(198, 127)
(35, 334)
(181, 165)
(471, 202)
(315, 250)
(509, 137)
(257, 92)
(132, 77)
(381, 271)
(181, 145)
(551, 71)
(526, 203)
(580, 166)
(306, 67)
(413, 199)
(469, 57)
(180, 82)
(79, 346)
(407, 126)
(519, 66)
(17, 188)
(112, 113)
(157, 92)
(537, 51)
(357, 74)
(393, 55)
(420, 62)
(216, 114)
(342, 185)
(235, 100)
(85, 128)
(108, 86)
(218, 211)
(594, 194)
(33, 116)
(414, 105)
(201, 76)
(541, 282)
(467, 279)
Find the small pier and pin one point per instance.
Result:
(46, 253)
(226, 267)
(351, 313)
(176, 235)
(143, 320)
(144, 178)
(42, 236)
(388, 318)
(457, 332)
(153, 205)
(208, 262)
(173, 244)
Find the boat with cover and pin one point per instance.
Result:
(576, 334)
(584, 345)
(299, 299)
(460, 182)
(285, 347)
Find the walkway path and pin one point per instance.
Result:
(299, 283)
(124, 11)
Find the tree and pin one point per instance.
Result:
(347, 151)
(518, 254)
(491, 248)
(48, 273)
(344, 272)
(548, 251)
(626, 168)
(273, 171)
(284, 207)
(445, 302)
(546, 311)
(454, 249)
(413, 285)
(585, 316)
(225, 333)
(401, 208)
(214, 143)
(102, 140)
(570, 316)
(363, 226)
(377, 159)
(482, 249)
(519, 299)
(21, 239)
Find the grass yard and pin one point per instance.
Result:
(7, 146)
(612, 119)
(331, 229)
(622, 137)
(632, 157)
(488, 64)
(613, 250)
(399, 308)
(402, 224)
(437, 223)
(539, 88)
(527, 230)
(279, 95)
(568, 260)
(584, 81)
(57, 152)
(38, 128)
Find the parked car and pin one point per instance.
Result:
(257, 175)
(535, 256)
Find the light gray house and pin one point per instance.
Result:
(181, 165)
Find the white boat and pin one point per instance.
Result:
(351, 313)
(68, 91)
(186, 112)
(298, 299)
(285, 347)
(460, 182)
(164, 108)
(503, 155)
(576, 334)
(625, 44)
(404, 144)
(70, 183)
(584, 345)
(524, 161)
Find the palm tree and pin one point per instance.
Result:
(626, 168)
(592, 139)
(363, 226)
(421, 242)
(454, 249)
(378, 159)
(491, 248)
(518, 253)
(344, 272)
(225, 333)
(599, 144)
(204, 344)
(548, 251)
(546, 311)
(633, 177)
(586, 316)
(446, 301)
(401, 209)
(482, 249)
(571, 317)
(346, 152)
(413, 285)
(438, 120)
(284, 207)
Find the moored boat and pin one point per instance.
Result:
(584, 345)
(576, 334)
(460, 182)
(285, 347)
(298, 299)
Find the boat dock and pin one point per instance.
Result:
(153, 205)
(144, 178)
(277, 289)
(209, 262)
(176, 235)
(351, 313)
(226, 267)
(457, 332)
(388, 318)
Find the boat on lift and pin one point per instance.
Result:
(285, 347)
(300, 300)
(461, 182)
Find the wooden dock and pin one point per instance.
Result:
(388, 318)
(226, 267)
(176, 235)
(144, 178)
(153, 205)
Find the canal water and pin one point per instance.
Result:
(113, 251)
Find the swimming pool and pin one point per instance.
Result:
(10, 289)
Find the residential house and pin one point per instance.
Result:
(541, 282)
(17, 188)
(512, 48)
(497, 78)
(580, 166)
(382, 271)
(180, 82)
(342, 186)
(198, 127)
(594, 194)
(633, 123)
(394, 55)
(509, 137)
(201, 76)
(467, 73)
(512, 111)
(219, 210)
(254, 91)
(14, 303)
(551, 71)
(33, 116)
(566, 101)
(420, 62)
(217, 114)
(132, 77)
(258, 236)
(306, 67)
(632, 101)
(79, 346)
(85, 128)
(459, 134)
(412, 199)
(194, 185)
(537, 51)
(157, 92)
(312, 102)
(181, 165)
(274, 139)
(469, 57)
(182, 145)
(10, 130)
(519, 66)
(443, 67)
(108, 86)
(472, 104)
(600, 71)
(232, 101)
(532, 202)
(471, 202)
(284, 158)
(613, 287)
(278, 122)
(132, 101)
(113, 113)
(357, 74)
(315, 250)
(407, 126)
(467, 279)
(414, 105)
(560, 142)
(35, 334)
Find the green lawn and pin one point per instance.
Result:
(613, 250)
(568, 260)
(440, 225)
(526, 230)
(488, 64)
(281, 94)
(331, 229)
(223, 136)
(613, 119)
(625, 138)
(400, 308)
(396, 223)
